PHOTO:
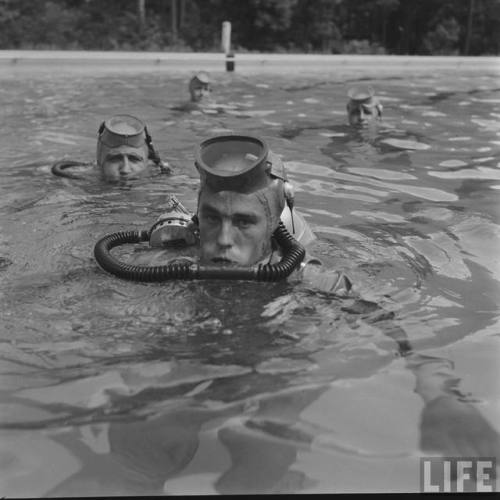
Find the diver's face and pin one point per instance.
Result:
(360, 114)
(233, 228)
(124, 162)
(199, 91)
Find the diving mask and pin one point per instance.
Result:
(126, 130)
(120, 130)
(233, 163)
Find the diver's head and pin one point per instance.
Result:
(241, 197)
(199, 86)
(122, 149)
(363, 107)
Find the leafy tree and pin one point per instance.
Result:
(326, 26)
(315, 25)
(443, 40)
(259, 24)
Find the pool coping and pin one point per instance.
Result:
(259, 62)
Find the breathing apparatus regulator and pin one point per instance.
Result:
(119, 130)
(176, 227)
(238, 163)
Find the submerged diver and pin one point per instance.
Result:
(202, 101)
(200, 94)
(241, 203)
(199, 87)
(124, 148)
(363, 106)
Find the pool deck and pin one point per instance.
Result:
(15, 61)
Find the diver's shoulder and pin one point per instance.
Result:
(297, 225)
(315, 274)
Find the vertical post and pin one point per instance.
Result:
(226, 37)
(226, 45)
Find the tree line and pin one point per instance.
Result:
(444, 27)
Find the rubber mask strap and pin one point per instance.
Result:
(153, 154)
(289, 192)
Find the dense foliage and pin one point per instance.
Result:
(319, 26)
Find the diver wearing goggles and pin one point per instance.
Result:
(363, 106)
(199, 87)
(200, 96)
(202, 102)
(124, 148)
(240, 201)
(177, 226)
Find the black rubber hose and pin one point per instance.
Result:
(130, 271)
(293, 254)
(62, 168)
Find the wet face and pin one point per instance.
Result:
(233, 228)
(124, 162)
(199, 90)
(361, 113)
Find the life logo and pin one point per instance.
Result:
(458, 475)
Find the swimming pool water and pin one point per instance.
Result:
(112, 387)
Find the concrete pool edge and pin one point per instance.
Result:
(262, 62)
